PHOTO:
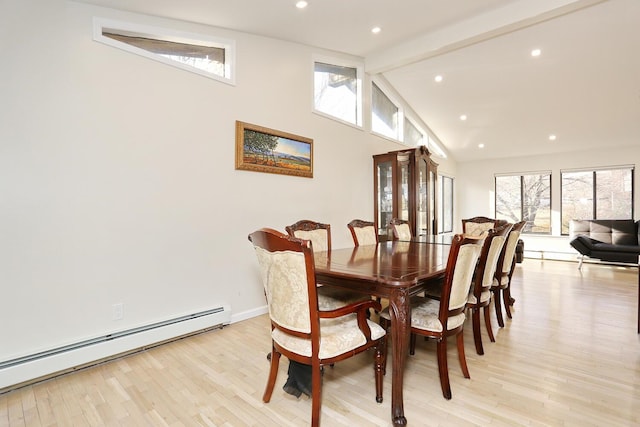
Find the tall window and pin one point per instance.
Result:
(525, 197)
(384, 114)
(337, 91)
(605, 193)
(199, 53)
(445, 195)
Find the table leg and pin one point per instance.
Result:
(400, 311)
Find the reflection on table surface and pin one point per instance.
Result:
(386, 261)
(437, 239)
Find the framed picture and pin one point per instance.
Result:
(262, 149)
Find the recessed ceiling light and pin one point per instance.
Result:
(536, 52)
(438, 78)
(480, 145)
(552, 137)
(376, 30)
(463, 117)
(301, 4)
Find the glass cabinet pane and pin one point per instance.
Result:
(421, 213)
(432, 202)
(385, 195)
(403, 190)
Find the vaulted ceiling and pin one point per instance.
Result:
(584, 87)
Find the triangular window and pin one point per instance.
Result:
(202, 54)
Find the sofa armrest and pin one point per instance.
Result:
(583, 244)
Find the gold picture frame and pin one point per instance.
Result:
(261, 149)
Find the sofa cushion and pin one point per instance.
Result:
(607, 247)
(616, 231)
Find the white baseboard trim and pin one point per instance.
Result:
(17, 372)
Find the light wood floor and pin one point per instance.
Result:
(569, 357)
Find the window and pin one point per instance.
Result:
(435, 148)
(445, 195)
(605, 193)
(337, 91)
(525, 197)
(384, 114)
(202, 54)
(412, 135)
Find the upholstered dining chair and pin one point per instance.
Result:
(478, 224)
(483, 280)
(504, 270)
(299, 330)
(445, 317)
(363, 232)
(401, 229)
(319, 234)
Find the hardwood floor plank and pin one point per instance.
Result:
(569, 357)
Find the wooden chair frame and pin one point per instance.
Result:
(444, 314)
(274, 241)
(395, 222)
(359, 223)
(502, 292)
(488, 260)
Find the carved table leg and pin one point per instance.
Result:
(399, 309)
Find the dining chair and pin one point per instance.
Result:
(504, 271)
(441, 318)
(363, 232)
(319, 234)
(401, 229)
(478, 224)
(483, 279)
(299, 329)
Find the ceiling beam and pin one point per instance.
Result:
(511, 17)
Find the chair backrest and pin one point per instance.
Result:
(317, 232)
(478, 224)
(508, 255)
(487, 264)
(401, 229)
(288, 276)
(363, 232)
(463, 257)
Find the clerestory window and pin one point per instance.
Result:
(199, 53)
(338, 90)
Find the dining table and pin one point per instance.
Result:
(395, 270)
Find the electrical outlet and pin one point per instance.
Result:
(118, 311)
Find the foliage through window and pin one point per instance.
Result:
(605, 193)
(525, 197)
(205, 55)
(337, 91)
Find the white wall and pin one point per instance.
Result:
(475, 187)
(118, 182)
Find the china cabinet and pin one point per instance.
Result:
(404, 184)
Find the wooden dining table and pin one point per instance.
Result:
(395, 270)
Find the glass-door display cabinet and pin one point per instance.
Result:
(404, 183)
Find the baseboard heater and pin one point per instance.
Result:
(35, 367)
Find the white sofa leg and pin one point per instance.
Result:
(580, 262)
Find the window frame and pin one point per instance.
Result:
(400, 112)
(169, 35)
(594, 191)
(442, 179)
(521, 176)
(338, 62)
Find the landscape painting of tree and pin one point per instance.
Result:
(262, 149)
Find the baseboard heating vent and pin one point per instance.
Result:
(60, 359)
